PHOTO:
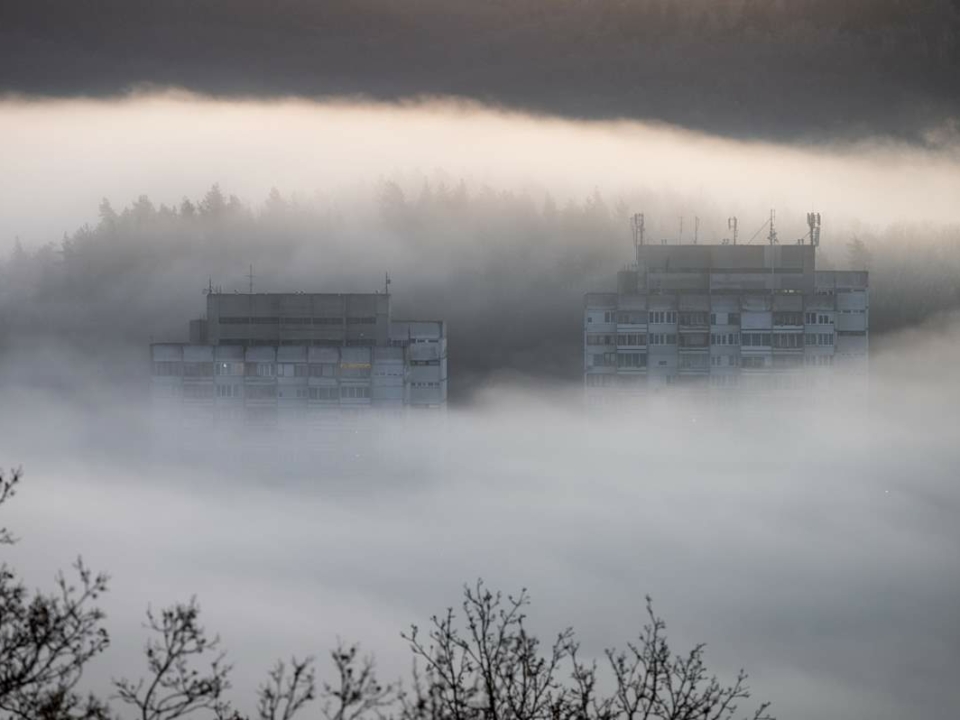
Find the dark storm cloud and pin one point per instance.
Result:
(742, 67)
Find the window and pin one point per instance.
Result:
(694, 340)
(693, 318)
(424, 363)
(694, 361)
(823, 319)
(810, 318)
(328, 321)
(752, 361)
(755, 339)
(631, 360)
(361, 321)
(323, 369)
(301, 393)
(825, 339)
(234, 320)
(713, 318)
(167, 368)
(601, 340)
(324, 393)
(198, 369)
(228, 391)
(662, 316)
(355, 370)
(198, 392)
(229, 368)
(261, 392)
(260, 369)
(733, 318)
(632, 339)
(788, 340)
(631, 318)
(264, 320)
(788, 318)
(354, 392)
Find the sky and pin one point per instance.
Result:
(813, 546)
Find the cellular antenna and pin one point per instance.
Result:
(638, 229)
(250, 278)
(772, 235)
(732, 225)
(386, 283)
(813, 222)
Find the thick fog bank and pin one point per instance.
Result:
(811, 540)
(63, 156)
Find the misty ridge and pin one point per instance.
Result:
(745, 68)
(507, 270)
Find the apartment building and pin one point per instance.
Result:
(273, 357)
(725, 317)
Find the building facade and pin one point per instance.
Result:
(721, 317)
(272, 357)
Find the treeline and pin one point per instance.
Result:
(744, 67)
(507, 271)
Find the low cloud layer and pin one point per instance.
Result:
(809, 540)
(62, 157)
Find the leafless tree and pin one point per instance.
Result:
(355, 692)
(482, 665)
(283, 695)
(47, 639)
(489, 667)
(175, 687)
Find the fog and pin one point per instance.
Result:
(811, 541)
(63, 156)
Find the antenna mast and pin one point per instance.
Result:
(386, 283)
(772, 235)
(733, 224)
(638, 228)
(696, 228)
(813, 222)
(680, 239)
(250, 278)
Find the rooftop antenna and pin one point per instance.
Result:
(772, 235)
(680, 239)
(733, 224)
(250, 278)
(638, 229)
(208, 290)
(813, 222)
(386, 283)
(696, 228)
